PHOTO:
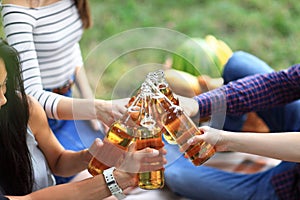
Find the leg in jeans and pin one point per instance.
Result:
(285, 118)
(208, 183)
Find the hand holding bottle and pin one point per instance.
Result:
(211, 136)
(132, 161)
(144, 160)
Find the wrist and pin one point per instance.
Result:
(99, 105)
(125, 179)
(112, 184)
(225, 141)
(86, 156)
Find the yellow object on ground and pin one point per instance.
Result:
(199, 56)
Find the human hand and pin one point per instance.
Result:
(125, 180)
(189, 105)
(147, 159)
(97, 125)
(108, 111)
(212, 136)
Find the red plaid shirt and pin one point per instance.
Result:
(254, 93)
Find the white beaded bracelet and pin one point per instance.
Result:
(112, 184)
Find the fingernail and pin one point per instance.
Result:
(155, 152)
(190, 141)
(99, 141)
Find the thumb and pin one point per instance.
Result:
(195, 139)
(96, 146)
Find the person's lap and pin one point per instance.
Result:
(210, 183)
(284, 118)
(73, 135)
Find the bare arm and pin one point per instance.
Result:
(282, 146)
(61, 162)
(90, 189)
(107, 111)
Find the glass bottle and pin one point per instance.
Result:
(160, 82)
(117, 140)
(149, 135)
(182, 128)
(163, 86)
(149, 76)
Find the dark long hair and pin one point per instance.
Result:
(16, 176)
(84, 12)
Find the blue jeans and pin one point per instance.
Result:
(204, 182)
(74, 135)
(284, 118)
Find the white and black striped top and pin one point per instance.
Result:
(47, 40)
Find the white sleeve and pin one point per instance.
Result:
(18, 28)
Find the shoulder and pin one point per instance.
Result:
(35, 108)
(37, 115)
(16, 2)
(17, 13)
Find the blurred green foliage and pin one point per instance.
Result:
(267, 29)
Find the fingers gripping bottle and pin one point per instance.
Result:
(182, 128)
(117, 140)
(149, 135)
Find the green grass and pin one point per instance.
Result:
(269, 29)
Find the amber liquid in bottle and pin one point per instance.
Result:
(162, 85)
(153, 179)
(181, 127)
(117, 137)
(117, 140)
(169, 94)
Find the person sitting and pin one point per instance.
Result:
(46, 34)
(30, 153)
(250, 85)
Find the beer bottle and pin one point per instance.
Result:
(162, 85)
(149, 135)
(182, 128)
(117, 140)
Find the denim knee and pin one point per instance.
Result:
(243, 64)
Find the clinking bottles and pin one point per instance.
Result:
(117, 140)
(158, 79)
(149, 135)
(182, 128)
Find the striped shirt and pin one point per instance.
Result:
(47, 39)
(254, 93)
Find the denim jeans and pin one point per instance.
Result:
(204, 182)
(284, 118)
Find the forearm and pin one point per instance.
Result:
(89, 189)
(73, 108)
(282, 146)
(70, 163)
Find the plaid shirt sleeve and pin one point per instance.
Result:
(256, 93)
(287, 184)
(252, 93)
